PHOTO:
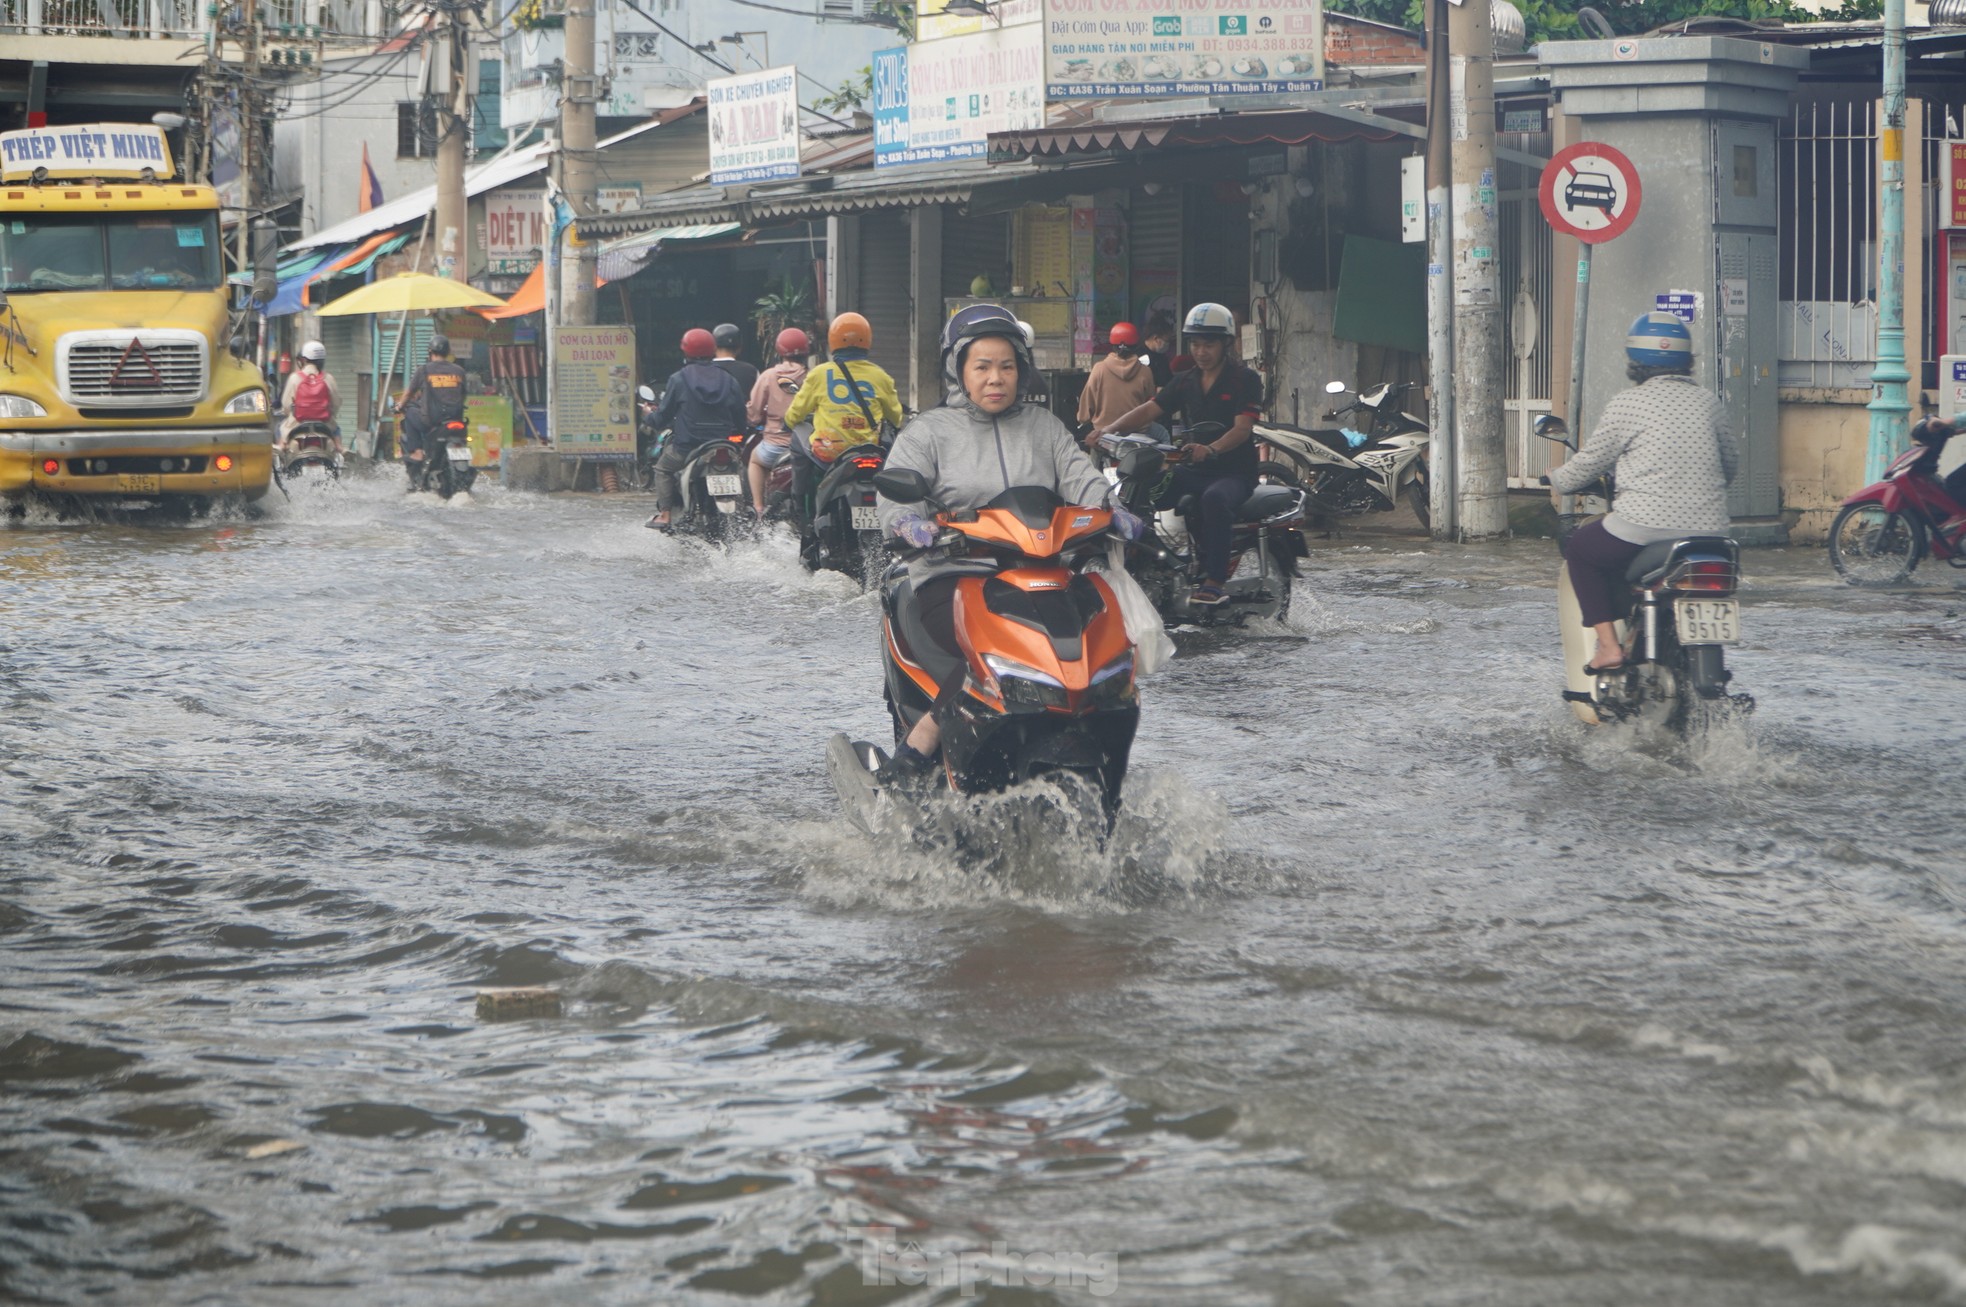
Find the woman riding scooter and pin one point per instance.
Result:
(1668, 444)
(985, 441)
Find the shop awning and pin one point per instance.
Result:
(627, 256)
(358, 259)
(1202, 130)
(529, 298)
(292, 275)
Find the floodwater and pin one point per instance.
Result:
(1399, 986)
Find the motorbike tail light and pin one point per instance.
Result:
(51, 465)
(223, 462)
(1702, 576)
(737, 438)
(866, 462)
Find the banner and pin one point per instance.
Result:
(942, 100)
(1103, 49)
(754, 126)
(515, 229)
(594, 392)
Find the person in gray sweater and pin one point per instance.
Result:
(1666, 443)
(984, 441)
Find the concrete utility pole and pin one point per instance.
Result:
(1442, 484)
(1890, 406)
(450, 90)
(1481, 455)
(249, 116)
(577, 160)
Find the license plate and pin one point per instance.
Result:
(724, 486)
(1707, 621)
(459, 453)
(139, 482)
(866, 519)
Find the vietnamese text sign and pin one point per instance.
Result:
(517, 224)
(1100, 49)
(106, 150)
(1952, 184)
(594, 392)
(754, 126)
(941, 100)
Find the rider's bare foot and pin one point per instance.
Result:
(1608, 658)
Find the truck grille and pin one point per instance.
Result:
(133, 371)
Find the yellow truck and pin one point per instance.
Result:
(118, 378)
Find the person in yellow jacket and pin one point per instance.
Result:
(844, 412)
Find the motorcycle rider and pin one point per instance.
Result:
(1221, 474)
(1937, 431)
(311, 395)
(700, 403)
(1120, 382)
(986, 440)
(1666, 442)
(845, 399)
(1159, 354)
(769, 400)
(434, 396)
(729, 340)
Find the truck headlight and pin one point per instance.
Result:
(247, 401)
(20, 406)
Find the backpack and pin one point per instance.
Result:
(311, 402)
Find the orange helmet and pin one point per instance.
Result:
(849, 331)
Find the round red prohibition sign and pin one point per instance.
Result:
(1590, 191)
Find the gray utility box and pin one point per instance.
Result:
(1697, 117)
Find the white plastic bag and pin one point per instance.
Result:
(1152, 647)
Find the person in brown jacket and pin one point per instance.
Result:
(1119, 383)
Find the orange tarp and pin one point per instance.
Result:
(355, 255)
(529, 298)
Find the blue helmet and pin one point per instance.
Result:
(1660, 340)
(972, 322)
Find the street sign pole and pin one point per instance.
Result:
(1574, 404)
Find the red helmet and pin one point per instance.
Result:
(792, 343)
(699, 344)
(1124, 333)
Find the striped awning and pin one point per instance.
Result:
(626, 256)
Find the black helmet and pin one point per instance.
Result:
(440, 346)
(728, 336)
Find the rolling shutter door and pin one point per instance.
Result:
(884, 294)
(1155, 249)
(416, 345)
(973, 246)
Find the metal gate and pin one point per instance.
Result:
(1526, 281)
(885, 298)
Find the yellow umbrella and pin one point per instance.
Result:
(410, 292)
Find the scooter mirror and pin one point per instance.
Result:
(646, 393)
(903, 485)
(1551, 427)
(1334, 387)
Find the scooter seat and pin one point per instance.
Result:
(1265, 502)
(1649, 568)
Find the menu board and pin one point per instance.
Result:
(594, 392)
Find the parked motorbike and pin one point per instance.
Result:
(1885, 530)
(310, 448)
(1346, 479)
(1046, 663)
(1264, 547)
(839, 530)
(446, 463)
(1682, 616)
(648, 440)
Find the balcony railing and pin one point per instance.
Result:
(186, 19)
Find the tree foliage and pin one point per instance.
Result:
(1556, 20)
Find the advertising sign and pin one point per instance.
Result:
(941, 100)
(489, 418)
(594, 392)
(104, 150)
(754, 126)
(1952, 184)
(516, 224)
(1102, 49)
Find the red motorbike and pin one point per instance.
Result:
(1885, 530)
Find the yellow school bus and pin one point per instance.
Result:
(117, 378)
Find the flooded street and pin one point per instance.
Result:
(1401, 988)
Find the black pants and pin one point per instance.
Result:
(1220, 495)
(1956, 485)
(1597, 561)
(411, 431)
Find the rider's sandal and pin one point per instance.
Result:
(1591, 669)
(1209, 595)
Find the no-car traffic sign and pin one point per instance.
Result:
(1590, 191)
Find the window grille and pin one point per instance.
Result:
(1827, 167)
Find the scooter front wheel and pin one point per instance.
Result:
(1870, 545)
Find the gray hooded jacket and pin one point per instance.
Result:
(970, 457)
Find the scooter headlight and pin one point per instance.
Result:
(1026, 689)
(1112, 685)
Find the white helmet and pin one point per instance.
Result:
(1209, 320)
(1030, 334)
(314, 352)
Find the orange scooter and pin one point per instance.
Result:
(1042, 688)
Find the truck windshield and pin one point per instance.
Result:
(109, 251)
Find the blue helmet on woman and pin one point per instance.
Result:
(1660, 341)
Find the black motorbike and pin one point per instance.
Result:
(310, 449)
(1263, 549)
(716, 500)
(839, 529)
(1682, 615)
(446, 463)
